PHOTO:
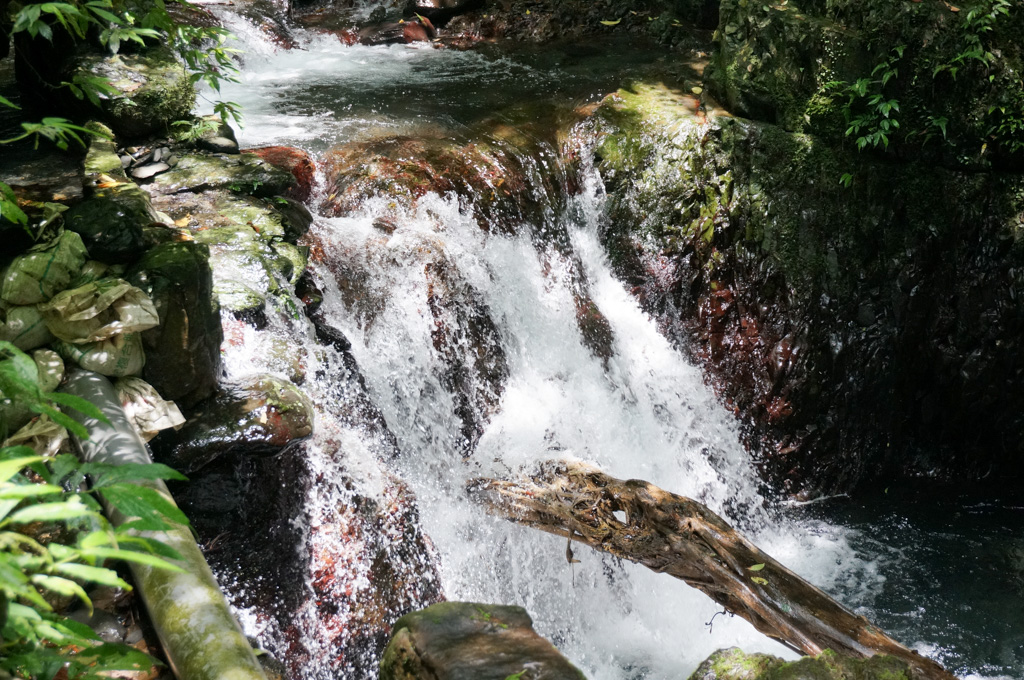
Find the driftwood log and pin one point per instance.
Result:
(681, 537)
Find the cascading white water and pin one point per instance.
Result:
(645, 413)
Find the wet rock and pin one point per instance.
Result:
(244, 174)
(397, 32)
(491, 179)
(734, 664)
(243, 302)
(295, 161)
(184, 350)
(261, 416)
(111, 222)
(154, 90)
(475, 368)
(462, 640)
(104, 624)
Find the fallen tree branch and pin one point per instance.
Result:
(678, 536)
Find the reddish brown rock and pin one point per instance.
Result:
(295, 161)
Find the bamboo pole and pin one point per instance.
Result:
(681, 537)
(198, 632)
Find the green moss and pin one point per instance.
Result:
(155, 90)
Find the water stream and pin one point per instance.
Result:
(642, 411)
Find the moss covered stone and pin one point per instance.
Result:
(154, 90)
(243, 174)
(735, 664)
(469, 641)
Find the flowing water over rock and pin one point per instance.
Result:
(487, 334)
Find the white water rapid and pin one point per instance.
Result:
(645, 413)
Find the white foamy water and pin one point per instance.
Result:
(645, 413)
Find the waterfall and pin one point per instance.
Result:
(641, 410)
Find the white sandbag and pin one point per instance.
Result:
(99, 311)
(42, 435)
(51, 369)
(145, 408)
(43, 271)
(116, 357)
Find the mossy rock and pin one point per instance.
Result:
(735, 664)
(801, 294)
(112, 220)
(102, 158)
(244, 174)
(184, 350)
(469, 641)
(154, 90)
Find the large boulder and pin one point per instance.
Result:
(468, 641)
(244, 174)
(859, 332)
(183, 352)
(295, 161)
(112, 222)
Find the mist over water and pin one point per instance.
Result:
(643, 413)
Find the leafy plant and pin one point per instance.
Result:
(55, 540)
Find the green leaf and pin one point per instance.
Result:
(143, 502)
(13, 466)
(104, 474)
(63, 586)
(29, 491)
(104, 577)
(756, 567)
(759, 580)
(612, 23)
(132, 556)
(50, 512)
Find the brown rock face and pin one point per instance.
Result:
(295, 161)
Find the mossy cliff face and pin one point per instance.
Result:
(858, 332)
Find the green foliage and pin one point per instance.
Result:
(55, 541)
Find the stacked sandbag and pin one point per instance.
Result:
(33, 278)
(97, 325)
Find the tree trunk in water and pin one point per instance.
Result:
(683, 538)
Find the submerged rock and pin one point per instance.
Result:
(464, 641)
(261, 416)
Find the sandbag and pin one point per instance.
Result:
(145, 408)
(50, 367)
(43, 271)
(92, 270)
(42, 435)
(118, 356)
(23, 326)
(99, 311)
